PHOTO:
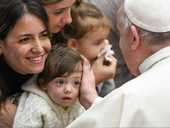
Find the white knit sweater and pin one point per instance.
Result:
(36, 110)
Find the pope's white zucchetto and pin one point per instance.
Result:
(151, 15)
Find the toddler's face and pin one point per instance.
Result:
(64, 90)
(91, 44)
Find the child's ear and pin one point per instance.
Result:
(43, 87)
(72, 43)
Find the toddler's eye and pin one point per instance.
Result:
(76, 83)
(98, 43)
(60, 82)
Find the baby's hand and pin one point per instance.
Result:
(104, 70)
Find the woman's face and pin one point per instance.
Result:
(27, 45)
(59, 14)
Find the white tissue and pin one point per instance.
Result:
(108, 51)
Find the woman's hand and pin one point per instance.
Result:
(7, 112)
(87, 90)
(104, 70)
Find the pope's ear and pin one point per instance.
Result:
(72, 43)
(136, 38)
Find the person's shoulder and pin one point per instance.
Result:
(34, 101)
(32, 109)
(133, 89)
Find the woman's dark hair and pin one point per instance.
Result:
(49, 2)
(61, 61)
(10, 12)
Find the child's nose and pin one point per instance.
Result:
(106, 42)
(67, 89)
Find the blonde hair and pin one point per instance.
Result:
(85, 18)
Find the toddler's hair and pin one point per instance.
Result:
(61, 60)
(86, 18)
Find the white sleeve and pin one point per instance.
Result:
(97, 100)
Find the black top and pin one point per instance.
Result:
(12, 79)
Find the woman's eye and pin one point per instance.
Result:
(76, 83)
(58, 12)
(44, 35)
(24, 40)
(60, 82)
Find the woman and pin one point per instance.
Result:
(24, 47)
(58, 12)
